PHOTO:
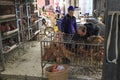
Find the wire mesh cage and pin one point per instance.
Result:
(83, 56)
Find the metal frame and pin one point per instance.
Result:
(29, 15)
(18, 17)
(21, 37)
(28, 18)
(78, 60)
(2, 58)
(2, 64)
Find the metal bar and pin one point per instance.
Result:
(28, 18)
(19, 23)
(81, 55)
(41, 58)
(2, 61)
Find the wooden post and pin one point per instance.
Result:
(111, 70)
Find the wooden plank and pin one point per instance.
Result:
(6, 3)
(35, 22)
(34, 2)
(34, 34)
(7, 16)
(111, 12)
(36, 11)
(111, 71)
(11, 48)
(37, 32)
(10, 32)
(6, 37)
(114, 5)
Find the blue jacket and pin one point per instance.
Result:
(69, 25)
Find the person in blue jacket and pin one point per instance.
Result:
(69, 25)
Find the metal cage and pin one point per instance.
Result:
(83, 57)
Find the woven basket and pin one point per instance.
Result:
(59, 75)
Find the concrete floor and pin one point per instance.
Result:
(28, 64)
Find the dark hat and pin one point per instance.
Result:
(57, 11)
(70, 8)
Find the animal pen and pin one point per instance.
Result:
(82, 57)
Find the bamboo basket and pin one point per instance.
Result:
(59, 75)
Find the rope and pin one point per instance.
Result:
(116, 39)
(116, 47)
